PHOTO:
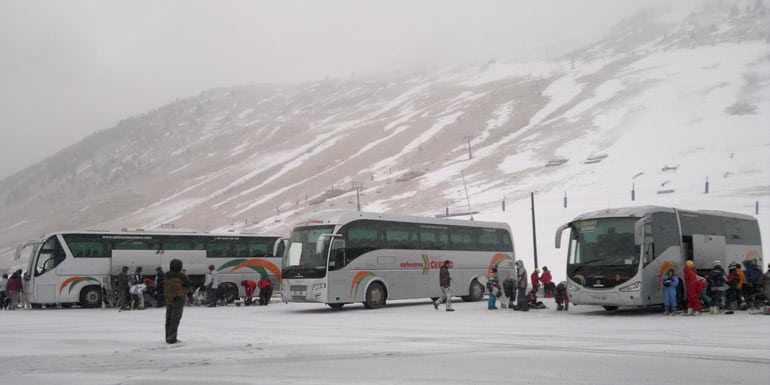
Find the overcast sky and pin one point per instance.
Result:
(70, 68)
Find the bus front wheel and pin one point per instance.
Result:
(375, 296)
(476, 292)
(91, 296)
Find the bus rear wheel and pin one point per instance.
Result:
(476, 292)
(610, 308)
(91, 296)
(336, 306)
(375, 296)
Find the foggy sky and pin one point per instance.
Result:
(70, 68)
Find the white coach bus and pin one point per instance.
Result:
(616, 256)
(72, 267)
(342, 257)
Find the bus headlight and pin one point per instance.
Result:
(636, 286)
(572, 287)
(319, 286)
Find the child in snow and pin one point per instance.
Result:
(494, 289)
(670, 283)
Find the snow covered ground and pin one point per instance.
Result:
(403, 343)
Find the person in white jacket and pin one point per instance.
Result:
(212, 286)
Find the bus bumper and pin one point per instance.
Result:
(585, 297)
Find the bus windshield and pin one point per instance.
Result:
(305, 258)
(602, 252)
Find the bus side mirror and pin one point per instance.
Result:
(639, 232)
(559, 232)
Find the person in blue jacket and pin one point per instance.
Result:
(670, 283)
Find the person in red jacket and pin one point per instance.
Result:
(249, 286)
(693, 288)
(13, 290)
(265, 291)
(548, 285)
(535, 279)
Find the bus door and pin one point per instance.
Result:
(44, 276)
(337, 277)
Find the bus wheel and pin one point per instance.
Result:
(375, 296)
(610, 308)
(37, 305)
(476, 292)
(91, 296)
(229, 292)
(336, 306)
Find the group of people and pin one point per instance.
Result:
(13, 291)
(519, 297)
(137, 291)
(718, 290)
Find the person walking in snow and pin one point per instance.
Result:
(175, 292)
(444, 281)
(521, 287)
(493, 286)
(670, 283)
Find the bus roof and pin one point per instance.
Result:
(640, 211)
(159, 233)
(334, 217)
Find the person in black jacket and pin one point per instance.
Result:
(176, 285)
(123, 287)
(444, 280)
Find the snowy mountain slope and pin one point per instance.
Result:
(692, 94)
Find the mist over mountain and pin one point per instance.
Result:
(690, 94)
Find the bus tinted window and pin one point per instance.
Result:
(491, 239)
(434, 237)
(463, 238)
(184, 243)
(401, 236)
(361, 237)
(741, 232)
(87, 246)
(260, 248)
(136, 243)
